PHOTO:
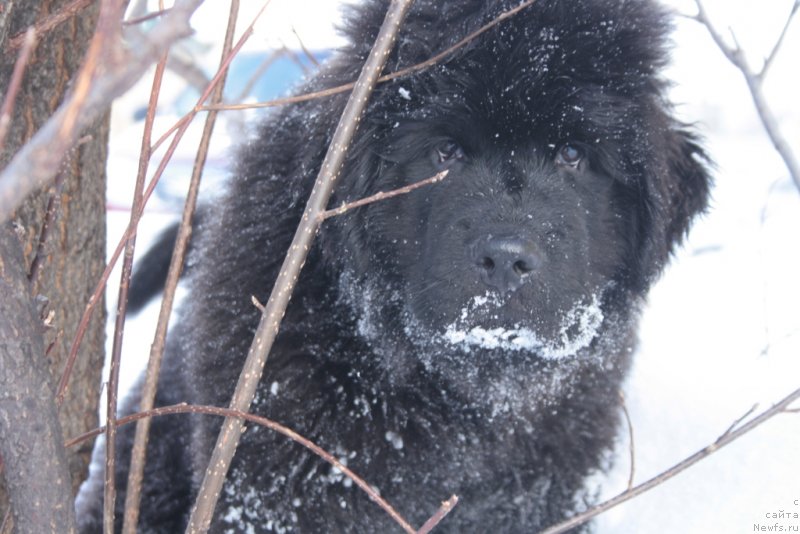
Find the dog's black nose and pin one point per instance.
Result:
(504, 262)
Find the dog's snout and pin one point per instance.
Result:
(505, 262)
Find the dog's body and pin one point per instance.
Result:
(467, 338)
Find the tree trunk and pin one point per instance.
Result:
(64, 261)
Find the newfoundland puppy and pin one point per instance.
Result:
(467, 338)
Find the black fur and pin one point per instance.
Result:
(149, 280)
(468, 338)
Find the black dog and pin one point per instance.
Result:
(468, 338)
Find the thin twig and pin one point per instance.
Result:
(774, 52)
(631, 446)
(145, 18)
(264, 337)
(35, 165)
(191, 73)
(184, 408)
(112, 391)
(44, 26)
(101, 284)
(7, 110)
(305, 50)
(755, 83)
(178, 126)
(736, 423)
(388, 77)
(133, 493)
(441, 513)
(295, 59)
(257, 303)
(179, 130)
(381, 196)
(724, 439)
(183, 67)
(138, 455)
(258, 72)
(138, 8)
(103, 46)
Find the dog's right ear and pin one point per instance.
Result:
(689, 180)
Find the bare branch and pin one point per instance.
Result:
(112, 390)
(258, 72)
(179, 125)
(37, 162)
(631, 446)
(257, 303)
(179, 129)
(295, 59)
(771, 57)
(382, 196)
(446, 508)
(145, 18)
(730, 435)
(132, 495)
(42, 27)
(13, 87)
(279, 299)
(35, 462)
(138, 455)
(385, 78)
(305, 50)
(138, 8)
(191, 73)
(754, 83)
(736, 423)
(184, 408)
(130, 231)
(184, 67)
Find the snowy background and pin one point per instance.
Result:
(722, 329)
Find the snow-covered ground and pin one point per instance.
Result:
(722, 329)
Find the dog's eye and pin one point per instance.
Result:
(447, 152)
(569, 155)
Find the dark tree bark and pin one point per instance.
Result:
(64, 260)
(30, 436)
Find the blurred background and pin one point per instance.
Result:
(721, 332)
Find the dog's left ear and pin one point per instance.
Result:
(688, 182)
(676, 191)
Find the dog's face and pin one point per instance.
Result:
(568, 185)
(522, 235)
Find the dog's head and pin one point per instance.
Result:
(569, 181)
